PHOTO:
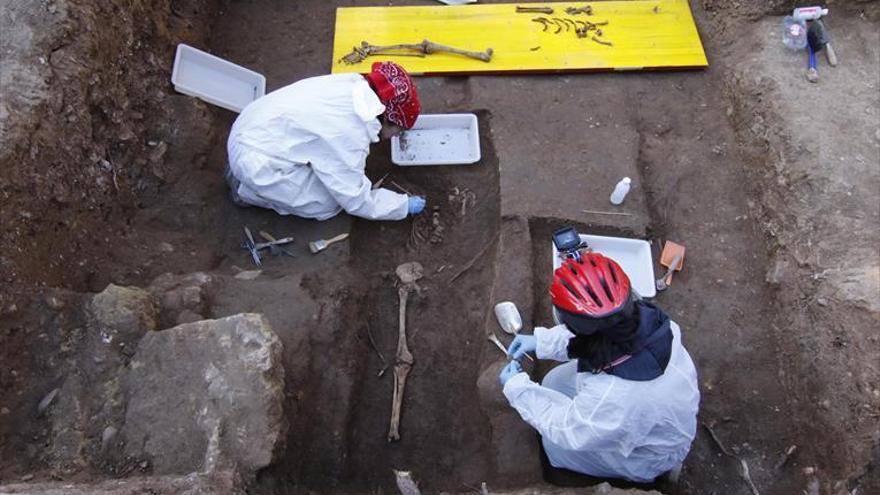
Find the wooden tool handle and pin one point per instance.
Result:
(340, 237)
(676, 262)
(830, 55)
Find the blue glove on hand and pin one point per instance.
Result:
(415, 205)
(508, 371)
(521, 345)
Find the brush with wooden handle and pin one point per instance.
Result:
(322, 244)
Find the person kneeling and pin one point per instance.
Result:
(302, 149)
(624, 405)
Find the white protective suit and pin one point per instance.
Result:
(603, 425)
(301, 150)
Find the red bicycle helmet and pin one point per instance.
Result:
(589, 289)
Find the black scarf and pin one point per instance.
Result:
(653, 349)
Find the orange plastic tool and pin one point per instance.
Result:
(672, 252)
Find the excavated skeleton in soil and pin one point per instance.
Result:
(408, 273)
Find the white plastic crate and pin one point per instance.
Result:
(633, 255)
(214, 80)
(446, 139)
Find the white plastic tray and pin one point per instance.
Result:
(217, 81)
(447, 139)
(633, 255)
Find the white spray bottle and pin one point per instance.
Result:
(620, 191)
(809, 13)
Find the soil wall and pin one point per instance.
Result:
(815, 151)
(88, 119)
(84, 125)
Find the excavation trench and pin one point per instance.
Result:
(338, 435)
(125, 210)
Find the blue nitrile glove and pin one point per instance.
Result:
(415, 205)
(521, 345)
(508, 371)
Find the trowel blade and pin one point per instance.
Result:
(508, 317)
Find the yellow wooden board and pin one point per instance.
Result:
(654, 34)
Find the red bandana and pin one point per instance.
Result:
(397, 91)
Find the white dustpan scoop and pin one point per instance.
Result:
(508, 317)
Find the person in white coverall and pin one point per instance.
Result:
(624, 405)
(301, 150)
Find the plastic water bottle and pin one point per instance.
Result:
(620, 191)
(794, 33)
(809, 13)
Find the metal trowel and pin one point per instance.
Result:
(508, 317)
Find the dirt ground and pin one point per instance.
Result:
(109, 176)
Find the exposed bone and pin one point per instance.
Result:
(561, 22)
(426, 47)
(405, 483)
(569, 22)
(533, 10)
(408, 273)
(402, 364)
(579, 10)
(601, 42)
(785, 456)
(543, 21)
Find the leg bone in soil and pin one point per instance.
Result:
(408, 274)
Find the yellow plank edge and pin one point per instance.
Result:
(653, 34)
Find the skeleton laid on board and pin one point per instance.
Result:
(426, 47)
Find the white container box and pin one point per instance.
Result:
(217, 81)
(447, 139)
(633, 255)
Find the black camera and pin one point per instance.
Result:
(568, 242)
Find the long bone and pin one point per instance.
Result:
(408, 274)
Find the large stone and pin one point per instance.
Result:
(89, 399)
(125, 311)
(205, 395)
(182, 298)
